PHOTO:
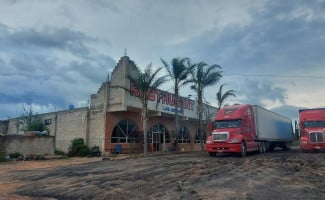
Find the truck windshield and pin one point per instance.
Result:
(227, 124)
(310, 124)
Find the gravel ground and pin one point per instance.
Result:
(195, 175)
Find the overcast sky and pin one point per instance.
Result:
(57, 53)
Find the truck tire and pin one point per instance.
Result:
(261, 147)
(264, 147)
(212, 154)
(267, 146)
(243, 150)
(285, 147)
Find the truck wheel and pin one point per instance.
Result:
(261, 147)
(285, 147)
(243, 150)
(267, 146)
(264, 147)
(211, 154)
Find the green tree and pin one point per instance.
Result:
(146, 82)
(28, 114)
(33, 121)
(203, 76)
(37, 125)
(178, 71)
(221, 97)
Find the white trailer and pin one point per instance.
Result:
(272, 130)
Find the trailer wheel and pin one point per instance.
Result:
(212, 154)
(243, 149)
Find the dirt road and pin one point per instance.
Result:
(275, 175)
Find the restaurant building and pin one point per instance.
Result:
(113, 119)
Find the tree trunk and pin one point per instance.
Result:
(176, 118)
(145, 126)
(200, 105)
(145, 137)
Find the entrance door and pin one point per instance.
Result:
(157, 138)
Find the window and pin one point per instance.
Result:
(183, 135)
(197, 138)
(309, 124)
(125, 132)
(47, 122)
(227, 124)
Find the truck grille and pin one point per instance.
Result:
(316, 137)
(220, 136)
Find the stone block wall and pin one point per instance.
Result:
(4, 127)
(27, 145)
(71, 124)
(96, 136)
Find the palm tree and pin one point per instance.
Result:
(203, 76)
(221, 97)
(146, 82)
(178, 71)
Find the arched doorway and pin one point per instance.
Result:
(157, 138)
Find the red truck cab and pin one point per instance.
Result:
(312, 129)
(234, 131)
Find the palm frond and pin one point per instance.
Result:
(221, 97)
(167, 67)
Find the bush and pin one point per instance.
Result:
(3, 158)
(15, 155)
(34, 157)
(84, 151)
(59, 152)
(78, 148)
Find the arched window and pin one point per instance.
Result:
(183, 135)
(197, 138)
(125, 132)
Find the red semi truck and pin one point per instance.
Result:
(246, 128)
(312, 129)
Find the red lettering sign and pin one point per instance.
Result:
(164, 98)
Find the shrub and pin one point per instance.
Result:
(59, 152)
(15, 155)
(34, 157)
(78, 148)
(3, 158)
(84, 151)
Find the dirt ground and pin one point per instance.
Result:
(274, 175)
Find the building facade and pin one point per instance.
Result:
(113, 118)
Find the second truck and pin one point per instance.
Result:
(312, 129)
(246, 128)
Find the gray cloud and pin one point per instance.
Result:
(256, 91)
(46, 39)
(61, 47)
(42, 67)
(289, 111)
(271, 44)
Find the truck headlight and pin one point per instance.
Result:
(235, 140)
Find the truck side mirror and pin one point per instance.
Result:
(211, 126)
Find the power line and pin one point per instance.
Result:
(277, 76)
